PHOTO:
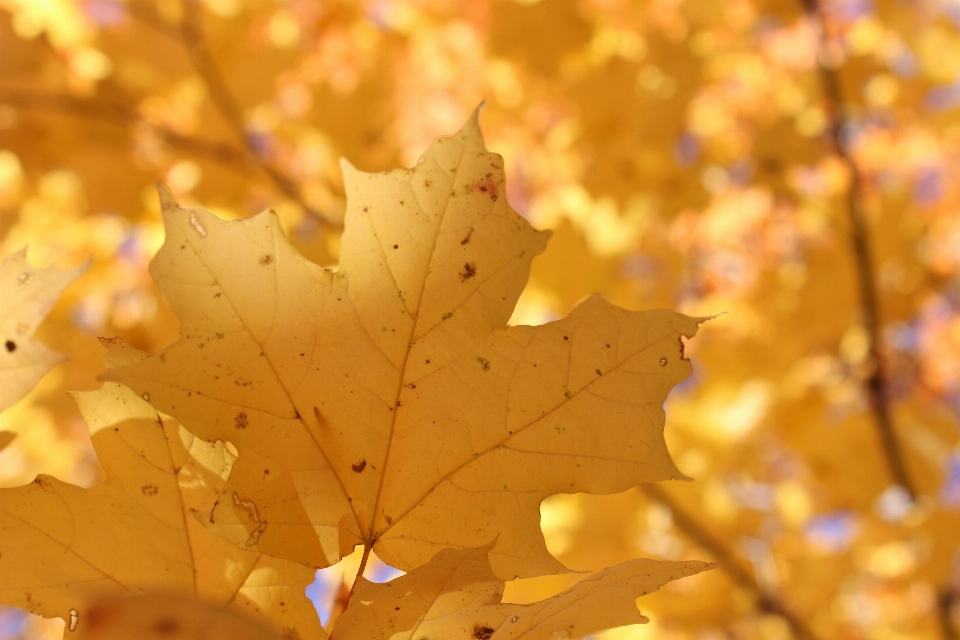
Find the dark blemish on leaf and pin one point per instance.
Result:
(166, 626)
(448, 314)
(396, 246)
(427, 361)
(149, 490)
(388, 519)
(598, 372)
(218, 294)
(411, 386)
(566, 337)
(366, 208)
(493, 197)
(241, 420)
(401, 203)
(567, 394)
(466, 240)
(10, 345)
(608, 346)
(266, 259)
(469, 270)
(484, 363)
(96, 616)
(481, 632)
(663, 362)
(426, 183)
(360, 466)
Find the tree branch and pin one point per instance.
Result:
(876, 382)
(118, 115)
(729, 563)
(946, 600)
(191, 34)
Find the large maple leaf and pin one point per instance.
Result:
(26, 296)
(61, 545)
(388, 403)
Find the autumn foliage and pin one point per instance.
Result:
(785, 168)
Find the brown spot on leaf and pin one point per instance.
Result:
(11, 346)
(484, 363)
(469, 271)
(266, 259)
(481, 632)
(360, 466)
(487, 186)
(466, 239)
(240, 421)
(149, 490)
(166, 626)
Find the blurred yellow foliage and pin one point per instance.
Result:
(690, 154)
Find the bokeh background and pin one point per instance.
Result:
(794, 167)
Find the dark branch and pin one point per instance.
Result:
(118, 115)
(729, 563)
(191, 34)
(876, 382)
(946, 601)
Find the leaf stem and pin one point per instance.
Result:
(729, 563)
(360, 570)
(876, 382)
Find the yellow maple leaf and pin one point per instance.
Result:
(456, 595)
(387, 403)
(61, 545)
(26, 296)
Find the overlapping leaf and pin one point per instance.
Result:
(26, 296)
(61, 545)
(388, 403)
(456, 596)
(166, 617)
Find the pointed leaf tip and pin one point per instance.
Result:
(167, 201)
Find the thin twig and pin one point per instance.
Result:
(876, 382)
(946, 600)
(729, 563)
(118, 115)
(191, 33)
